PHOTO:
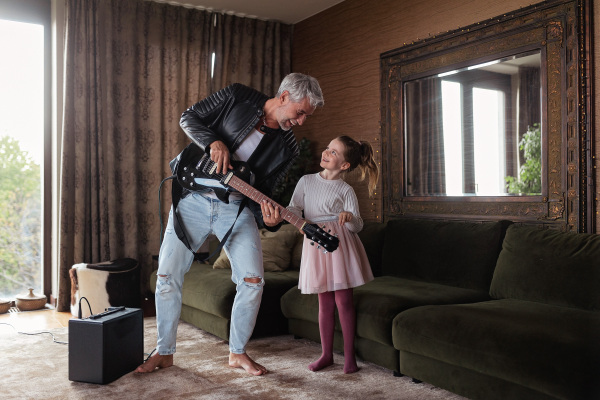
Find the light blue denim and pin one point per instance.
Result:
(201, 216)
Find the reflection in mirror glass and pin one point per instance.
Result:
(468, 131)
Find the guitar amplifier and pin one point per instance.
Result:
(106, 346)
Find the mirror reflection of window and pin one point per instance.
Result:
(489, 141)
(463, 127)
(451, 109)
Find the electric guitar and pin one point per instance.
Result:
(206, 168)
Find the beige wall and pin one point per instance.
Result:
(341, 47)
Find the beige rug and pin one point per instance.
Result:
(34, 367)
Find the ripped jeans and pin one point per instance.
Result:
(201, 216)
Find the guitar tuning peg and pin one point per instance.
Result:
(319, 247)
(312, 243)
(329, 231)
(325, 252)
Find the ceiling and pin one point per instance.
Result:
(289, 12)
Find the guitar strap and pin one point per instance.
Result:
(176, 193)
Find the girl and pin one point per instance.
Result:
(327, 200)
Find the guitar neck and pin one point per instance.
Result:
(249, 191)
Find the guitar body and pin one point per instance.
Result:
(196, 164)
(188, 168)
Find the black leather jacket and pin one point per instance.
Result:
(229, 116)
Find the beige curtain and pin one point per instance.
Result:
(132, 68)
(253, 52)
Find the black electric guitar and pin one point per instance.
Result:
(206, 168)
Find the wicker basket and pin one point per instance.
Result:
(4, 305)
(30, 301)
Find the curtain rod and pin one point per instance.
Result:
(198, 7)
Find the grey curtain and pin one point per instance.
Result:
(132, 68)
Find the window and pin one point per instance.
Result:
(24, 138)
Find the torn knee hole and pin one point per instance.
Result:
(253, 280)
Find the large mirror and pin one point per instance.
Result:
(489, 121)
(475, 131)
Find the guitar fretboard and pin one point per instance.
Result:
(256, 195)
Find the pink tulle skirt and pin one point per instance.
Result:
(344, 268)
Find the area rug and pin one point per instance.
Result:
(36, 367)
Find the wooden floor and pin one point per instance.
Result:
(48, 318)
(29, 321)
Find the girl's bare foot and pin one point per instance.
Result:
(245, 362)
(156, 361)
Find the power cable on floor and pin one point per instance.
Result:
(35, 333)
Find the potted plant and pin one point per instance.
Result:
(530, 173)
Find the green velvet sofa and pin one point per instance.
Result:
(208, 291)
(415, 263)
(537, 338)
(486, 310)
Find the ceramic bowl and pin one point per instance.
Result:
(4, 305)
(30, 301)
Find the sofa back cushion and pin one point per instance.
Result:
(548, 266)
(460, 254)
(372, 236)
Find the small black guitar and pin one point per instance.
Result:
(206, 168)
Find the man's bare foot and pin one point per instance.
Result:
(156, 361)
(245, 362)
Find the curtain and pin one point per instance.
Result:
(132, 68)
(425, 159)
(529, 104)
(251, 51)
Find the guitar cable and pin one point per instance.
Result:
(160, 234)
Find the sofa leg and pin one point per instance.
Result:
(416, 380)
(398, 374)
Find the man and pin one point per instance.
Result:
(236, 123)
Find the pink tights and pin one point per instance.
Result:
(345, 305)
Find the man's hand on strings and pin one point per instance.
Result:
(219, 154)
(271, 214)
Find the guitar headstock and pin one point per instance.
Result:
(323, 239)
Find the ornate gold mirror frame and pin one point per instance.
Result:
(561, 32)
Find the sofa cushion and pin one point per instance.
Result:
(212, 290)
(547, 348)
(372, 236)
(207, 289)
(277, 247)
(461, 254)
(379, 301)
(547, 266)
